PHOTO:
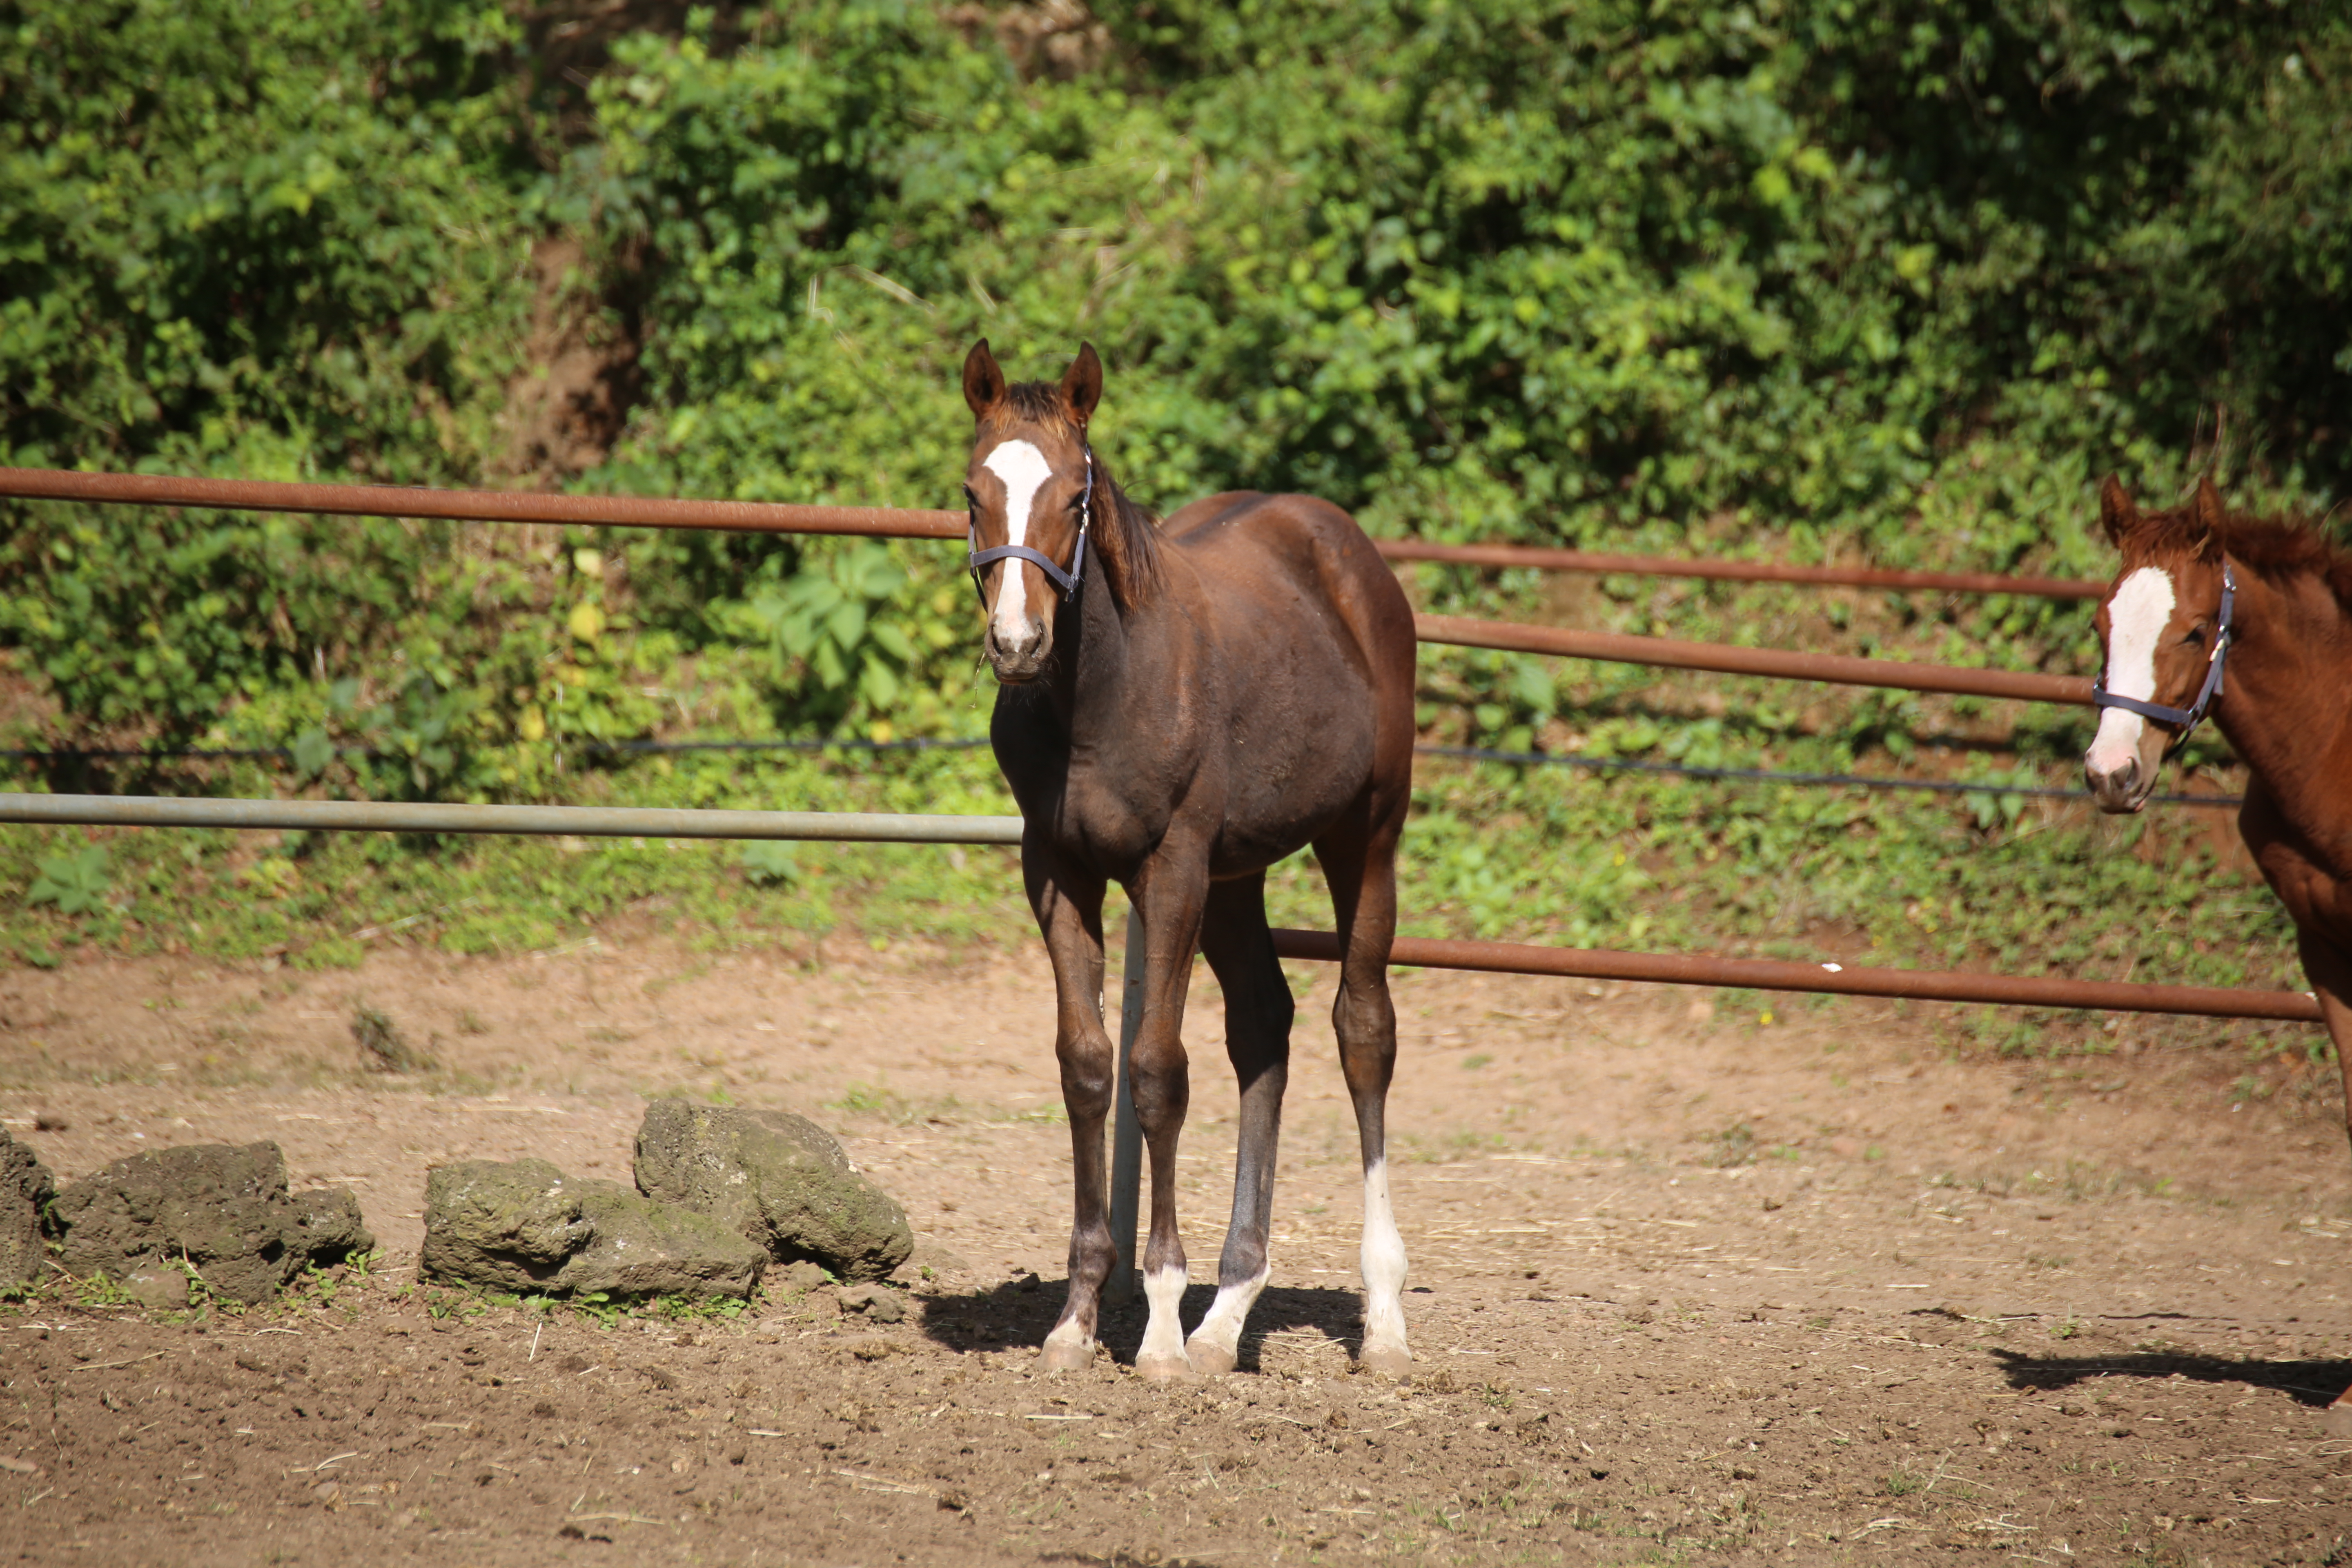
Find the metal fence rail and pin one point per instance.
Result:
(629, 822)
(1542, 558)
(478, 506)
(1832, 979)
(1838, 669)
(581, 821)
(898, 522)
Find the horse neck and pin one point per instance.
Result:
(1091, 671)
(2286, 698)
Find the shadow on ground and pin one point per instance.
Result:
(2312, 1383)
(1017, 1315)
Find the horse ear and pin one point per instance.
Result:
(1082, 384)
(984, 382)
(2210, 514)
(2116, 513)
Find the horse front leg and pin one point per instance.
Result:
(1068, 906)
(1169, 895)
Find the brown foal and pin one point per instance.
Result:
(1179, 706)
(2251, 620)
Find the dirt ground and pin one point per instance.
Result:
(1686, 1287)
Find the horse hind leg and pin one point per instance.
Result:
(1259, 1011)
(1361, 872)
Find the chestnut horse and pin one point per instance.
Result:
(1179, 706)
(2202, 591)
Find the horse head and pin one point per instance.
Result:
(1030, 488)
(2162, 629)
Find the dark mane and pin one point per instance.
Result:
(1132, 536)
(1126, 534)
(2291, 547)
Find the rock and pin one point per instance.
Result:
(529, 1227)
(225, 1210)
(777, 1178)
(25, 1185)
(879, 1303)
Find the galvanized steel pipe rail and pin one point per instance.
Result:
(888, 523)
(581, 821)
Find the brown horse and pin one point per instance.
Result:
(2202, 591)
(1181, 706)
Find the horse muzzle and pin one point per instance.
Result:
(1017, 665)
(2123, 790)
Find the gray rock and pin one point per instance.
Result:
(224, 1210)
(777, 1178)
(527, 1227)
(25, 1185)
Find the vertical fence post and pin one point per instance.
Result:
(1126, 1135)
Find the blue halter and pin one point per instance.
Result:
(2187, 718)
(1068, 581)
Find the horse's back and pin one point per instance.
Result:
(1323, 636)
(1245, 543)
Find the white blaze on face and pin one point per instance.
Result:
(2136, 617)
(1024, 471)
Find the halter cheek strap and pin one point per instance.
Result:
(1068, 581)
(2187, 718)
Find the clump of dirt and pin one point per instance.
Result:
(525, 1227)
(381, 1043)
(223, 1213)
(777, 1178)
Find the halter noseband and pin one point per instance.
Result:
(1068, 581)
(2187, 718)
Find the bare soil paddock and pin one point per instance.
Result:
(1686, 1288)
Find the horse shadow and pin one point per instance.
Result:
(1018, 1313)
(2312, 1383)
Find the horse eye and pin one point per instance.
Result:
(2196, 634)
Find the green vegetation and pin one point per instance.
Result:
(1790, 279)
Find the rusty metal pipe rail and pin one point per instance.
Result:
(479, 506)
(891, 522)
(1544, 558)
(1839, 668)
(1768, 974)
(580, 821)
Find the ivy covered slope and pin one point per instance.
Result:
(1797, 280)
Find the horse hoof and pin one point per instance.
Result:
(2339, 1420)
(1208, 1360)
(1387, 1361)
(1066, 1356)
(1162, 1368)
